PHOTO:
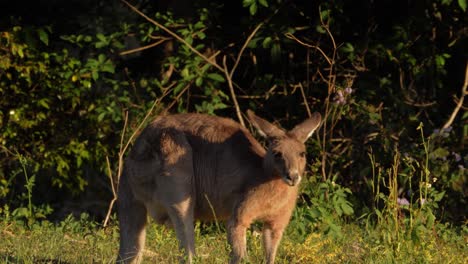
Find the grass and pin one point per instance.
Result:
(82, 241)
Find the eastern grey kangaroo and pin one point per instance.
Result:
(184, 166)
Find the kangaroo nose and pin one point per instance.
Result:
(293, 178)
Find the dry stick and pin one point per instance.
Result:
(291, 36)
(331, 84)
(230, 74)
(305, 100)
(460, 102)
(330, 88)
(142, 48)
(233, 94)
(224, 70)
(243, 48)
(308, 68)
(185, 88)
(114, 184)
(114, 193)
(173, 35)
(178, 97)
(123, 149)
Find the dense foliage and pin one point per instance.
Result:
(387, 75)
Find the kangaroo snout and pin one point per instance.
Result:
(293, 178)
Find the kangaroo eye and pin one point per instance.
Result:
(302, 154)
(277, 155)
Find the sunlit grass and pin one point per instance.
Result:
(75, 241)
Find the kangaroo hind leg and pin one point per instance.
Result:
(176, 192)
(132, 221)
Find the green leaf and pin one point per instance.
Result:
(263, 3)
(430, 219)
(101, 37)
(44, 103)
(275, 51)
(179, 87)
(253, 9)
(253, 43)
(347, 209)
(337, 209)
(101, 116)
(201, 35)
(462, 4)
(325, 14)
(439, 153)
(101, 58)
(216, 77)
(95, 75)
(199, 25)
(440, 60)
(185, 73)
(266, 42)
(247, 3)
(108, 67)
(439, 196)
(347, 47)
(20, 52)
(43, 36)
(314, 213)
(189, 40)
(21, 212)
(199, 81)
(100, 44)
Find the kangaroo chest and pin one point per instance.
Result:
(267, 201)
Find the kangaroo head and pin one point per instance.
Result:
(286, 153)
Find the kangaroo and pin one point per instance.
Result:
(183, 167)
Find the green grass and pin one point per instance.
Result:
(81, 241)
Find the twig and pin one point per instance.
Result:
(224, 69)
(291, 36)
(178, 97)
(231, 73)
(114, 193)
(142, 48)
(123, 149)
(186, 87)
(331, 87)
(305, 100)
(119, 171)
(331, 84)
(460, 102)
(243, 48)
(233, 94)
(170, 32)
(213, 212)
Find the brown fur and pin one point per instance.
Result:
(182, 165)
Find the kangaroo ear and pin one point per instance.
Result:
(305, 129)
(265, 128)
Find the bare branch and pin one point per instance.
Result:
(142, 48)
(114, 193)
(170, 32)
(306, 104)
(243, 48)
(123, 149)
(233, 94)
(460, 102)
(291, 36)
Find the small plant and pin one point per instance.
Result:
(26, 211)
(404, 198)
(324, 206)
